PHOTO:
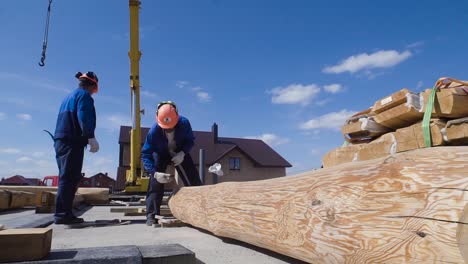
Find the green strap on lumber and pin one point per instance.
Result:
(427, 118)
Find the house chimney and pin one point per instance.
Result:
(214, 130)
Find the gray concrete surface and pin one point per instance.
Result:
(207, 248)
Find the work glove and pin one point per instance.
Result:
(178, 158)
(93, 145)
(163, 177)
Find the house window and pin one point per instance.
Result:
(234, 163)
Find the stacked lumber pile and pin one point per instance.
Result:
(10, 199)
(394, 124)
(40, 196)
(411, 208)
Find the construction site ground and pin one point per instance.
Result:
(207, 247)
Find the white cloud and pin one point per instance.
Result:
(333, 120)
(294, 94)
(33, 82)
(333, 88)
(38, 154)
(270, 139)
(24, 159)
(203, 96)
(415, 44)
(102, 161)
(114, 121)
(364, 61)
(148, 93)
(24, 117)
(3, 116)
(10, 150)
(181, 84)
(196, 89)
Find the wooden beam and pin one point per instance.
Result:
(410, 208)
(20, 199)
(5, 198)
(25, 244)
(90, 195)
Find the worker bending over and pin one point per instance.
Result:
(169, 141)
(76, 123)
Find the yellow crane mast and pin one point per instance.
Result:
(136, 180)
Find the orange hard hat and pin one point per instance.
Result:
(167, 116)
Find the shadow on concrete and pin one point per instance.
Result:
(83, 208)
(62, 255)
(14, 211)
(255, 248)
(197, 261)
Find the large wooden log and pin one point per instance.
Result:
(408, 208)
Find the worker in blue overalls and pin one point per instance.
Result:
(76, 123)
(169, 141)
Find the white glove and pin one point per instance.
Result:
(163, 177)
(93, 145)
(178, 158)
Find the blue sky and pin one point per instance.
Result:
(288, 72)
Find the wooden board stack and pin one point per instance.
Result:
(394, 124)
(21, 196)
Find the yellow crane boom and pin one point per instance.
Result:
(135, 179)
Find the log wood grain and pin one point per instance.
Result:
(408, 208)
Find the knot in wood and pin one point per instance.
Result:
(316, 202)
(420, 233)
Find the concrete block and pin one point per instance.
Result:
(97, 255)
(167, 254)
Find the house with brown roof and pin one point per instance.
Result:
(241, 159)
(19, 180)
(102, 180)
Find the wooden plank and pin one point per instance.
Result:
(400, 116)
(90, 195)
(450, 103)
(412, 137)
(5, 198)
(410, 208)
(362, 130)
(25, 244)
(20, 199)
(341, 155)
(141, 212)
(170, 222)
(125, 209)
(457, 131)
(379, 148)
(391, 101)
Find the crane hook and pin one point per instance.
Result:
(46, 37)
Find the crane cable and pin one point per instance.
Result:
(46, 37)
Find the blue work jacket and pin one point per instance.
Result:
(76, 120)
(156, 145)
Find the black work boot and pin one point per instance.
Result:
(150, 220)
